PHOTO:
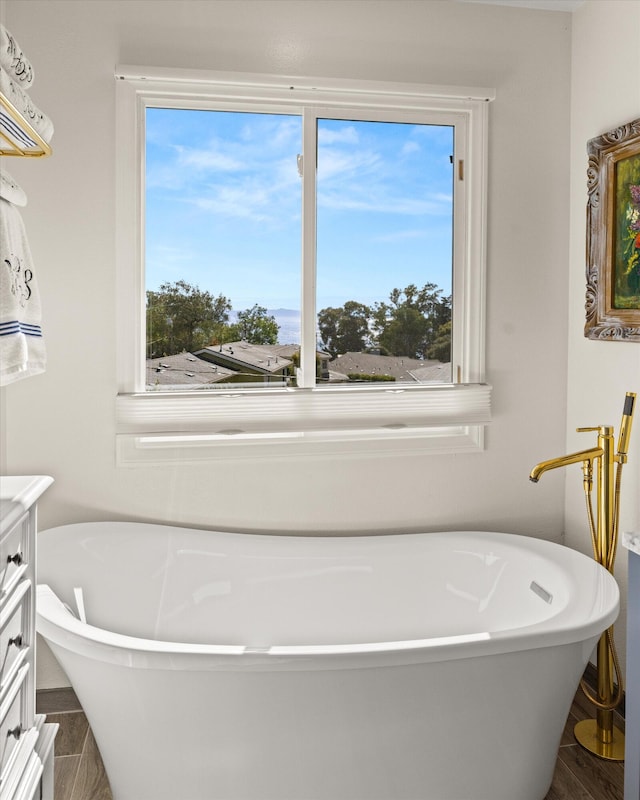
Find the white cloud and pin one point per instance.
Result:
(167, 263)
(210, 159)
(410, 147)
(252, 175)
(384, 202)
(235, 202)
(402, 236)
(346, 135)
(343, 164)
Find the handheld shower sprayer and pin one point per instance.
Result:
(625, 426)
(599, 735)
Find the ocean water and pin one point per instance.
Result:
(289, 325)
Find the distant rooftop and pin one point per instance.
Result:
(402, 368)
(265, 359)
(183, 369)
(229, 362)
(437, 373)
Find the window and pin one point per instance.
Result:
(298, 263)
(223, 205)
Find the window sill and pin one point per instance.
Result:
(132, 450)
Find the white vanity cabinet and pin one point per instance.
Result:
(26, 740)
(632, 711)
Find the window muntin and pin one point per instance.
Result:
(445, 418)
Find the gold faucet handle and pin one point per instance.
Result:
(586, 430)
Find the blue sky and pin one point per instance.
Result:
(223, 206)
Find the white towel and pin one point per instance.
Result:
(22, 349)
(13, 59)
(22, 102)
(10, 190)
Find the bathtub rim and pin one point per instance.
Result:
(61, 628)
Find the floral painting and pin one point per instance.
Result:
(626, 286)
(612, 301)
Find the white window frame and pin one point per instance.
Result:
(161, 427)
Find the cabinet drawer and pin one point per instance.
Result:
(29, 786)
(14, 556)
(15, 640)
(13, 724)
(21, 777)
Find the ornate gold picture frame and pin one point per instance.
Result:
(613, 235)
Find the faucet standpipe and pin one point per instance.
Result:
(599, 735)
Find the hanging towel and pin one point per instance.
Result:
(22, 102)
(10, 190)
(13, 59)
(22, 349)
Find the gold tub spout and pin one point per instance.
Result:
(563, 461)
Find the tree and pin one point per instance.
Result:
(440, 348)
(404, 332)
(181, 317)
(345, 329)
(409, 323)
(254, 325)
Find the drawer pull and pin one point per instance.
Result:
(16, 558)
(16, 640)
(16, 732)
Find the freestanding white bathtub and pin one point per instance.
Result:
(217, 666)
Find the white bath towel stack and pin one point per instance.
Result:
(16, 77)
(22, 348)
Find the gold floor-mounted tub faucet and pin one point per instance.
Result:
(599, 735)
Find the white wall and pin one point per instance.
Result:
(62, 423)
(605, 93)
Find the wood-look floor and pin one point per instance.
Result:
(80, 775)
(580, 775)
